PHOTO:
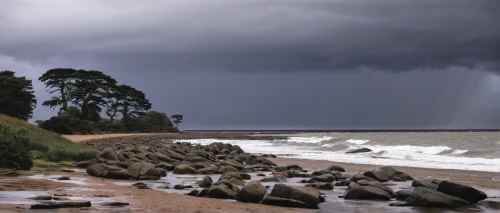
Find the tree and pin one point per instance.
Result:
(89, 92)
(17, 98)
(177, 119)
(58, 80)
(127, 100)
(153, 122)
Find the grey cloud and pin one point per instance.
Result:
(255, 35)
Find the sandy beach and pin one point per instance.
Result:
(161, 201)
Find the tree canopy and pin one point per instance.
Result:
(17, 97)
(58, 80)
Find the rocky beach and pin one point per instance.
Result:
(159, 174)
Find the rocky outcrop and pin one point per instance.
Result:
(143, 171)
(458, 190)
(253, 192)
(426, 197)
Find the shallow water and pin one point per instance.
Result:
(479, 151)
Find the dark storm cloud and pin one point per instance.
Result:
(281, 35)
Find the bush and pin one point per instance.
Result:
(14, 149)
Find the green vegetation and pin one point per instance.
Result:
(16, 96)
(91, 93)
(177, 119)
(46, 145)
(14, 149)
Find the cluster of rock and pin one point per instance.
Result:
(234, 165)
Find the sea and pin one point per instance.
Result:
(478, 151)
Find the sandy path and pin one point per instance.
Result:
(78, 138)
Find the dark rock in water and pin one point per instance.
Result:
(428, 183)
(184, 169)
(114, 204)
(324, 178)
(379, 175)
(465, 192)
(359, 150)
(233, 177)
(234, 164)
(260, 174)
(403, 194)
(41, 197)
(162, 172)
(193, 193)
(230, 185)
(224, 169)
(358, 177)
(293, 167)
(321, 186)
(220, 157)
(334, 168)
(206, 182)
(343, 183)
(360, 192)
(166, 166)
(489, 204)
(245, 176)
(140, 185)
(57, 205)
(11, 174)
(376, 184)
(306, 195)
(399, 203)
(221, 191)
(106, 171)
(304, 175)
(67, 170)
(179, 187)
(276, 201)
(143, 171)
(318, 173)
(253, 192)
(63, 178)
(426, 197)
(275, 178)
(279, 169)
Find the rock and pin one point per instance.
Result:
(360, 192)
(399, 203)
(343, 183)
(179, 187)
(221, 191)
(67, 170)
(237, 149)
(245, 176)
(358, 177)
(109, 154)
(114, 204)
(324, 178)
(321, 186)
(275, 178)
(82, 164)
(105, 171)
(224, 169)
(491, 204)
(376, 184)
(121, 175)
(465, 192)
(234, 164)
(253, 192)
(206, 182)
(11, 174)
(193, 193)
(143, 171)
(293, 167)
(379, 175)
(260, 174)
(428, 183)
(305, 175)
(403, 194)
(63, 178)
(334, 168)
(233, 177)
(166, 166)
(401, 176)
(276, 201)
(140, 185)
(318, 173)
(184, 169)
(41, 197)
(220, 157)
(426, 197)
(359, 150)
(57, 205)
(306, 195)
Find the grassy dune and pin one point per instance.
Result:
(48, 146)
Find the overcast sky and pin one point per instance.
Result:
(282, 64)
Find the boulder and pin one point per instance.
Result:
(303, 194)
(221, 191)
(318, 173)
(234, 164)
(108, 154)
(376, 184)
(105, 171)
(360, 192)
(293, 167)
(245, 176)
(162, 172)
(209, 170)
(82, 164)
(358, 177)
(143, 171)
(458, 190)
(276, 201)
(184, 169)
(274, 178)
(179, 186)
(140, 185)
(403, 194)
(379, 175)
(324, 178)
(57, 205)
(193, 193)
(115, 204)
(233, 177)
(359, 150)
(253, 192)
(321, 186)
(334, 168)
(237, 149)
(424, 182)
(206, 182)
(426, 197)
(64, 178)
(343, 183)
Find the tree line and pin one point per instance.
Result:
(80, 98)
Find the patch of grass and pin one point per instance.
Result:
(49, 146)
